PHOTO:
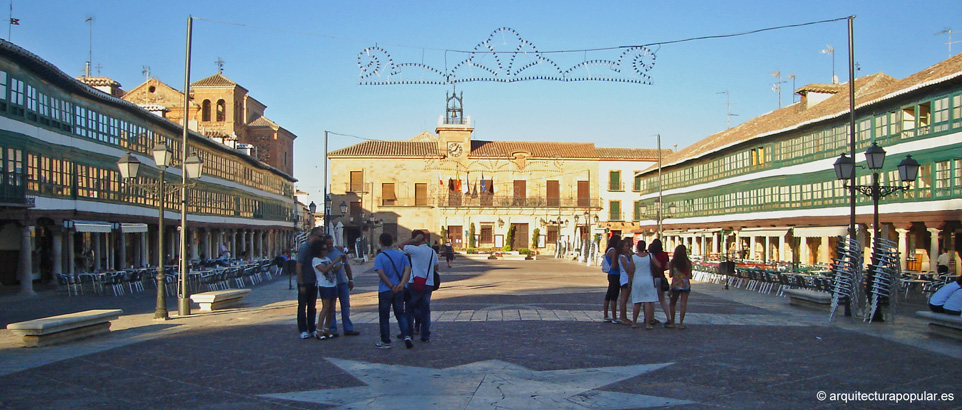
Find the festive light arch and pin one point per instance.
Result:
(512, 59)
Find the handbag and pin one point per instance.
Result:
(437, 280)
(658, 273)
(419, 281)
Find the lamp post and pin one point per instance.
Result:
(129, 167)
(312, 208)
(875, 158)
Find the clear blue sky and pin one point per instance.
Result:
(300, 59)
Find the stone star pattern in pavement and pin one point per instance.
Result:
(481, 385)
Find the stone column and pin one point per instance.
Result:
(933, 248)
(25, 267)
(824, 251)
(233, 243)
(56, 254)
(95, 236)
(902, 240)
(122, 250)
(71, 253)
(781, 248)
(193, 242)
(251, 250)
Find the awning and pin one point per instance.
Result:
(773, 231)
(133, 228)
(820, 231)
(93, 226)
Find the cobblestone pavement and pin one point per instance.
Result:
(506, 334)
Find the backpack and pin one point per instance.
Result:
(606, 264)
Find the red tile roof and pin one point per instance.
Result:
(869, 90)
(505, 149)
(388, 149)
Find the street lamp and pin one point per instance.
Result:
(312, 208)
(659, 213)
(129, 167)
(875, 158)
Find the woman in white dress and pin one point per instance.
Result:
(642, 286)
(625, 271)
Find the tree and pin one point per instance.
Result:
(471, 236)
(535, 236)
(509, 240)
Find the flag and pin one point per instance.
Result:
(484, 186)
(474, 190)
(467, 187)
(491, 186)
(440, 181)
(457, 183)
(14, 22)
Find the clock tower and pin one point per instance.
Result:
(454, 129)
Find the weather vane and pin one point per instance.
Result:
(506, 57)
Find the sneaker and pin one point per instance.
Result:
(382, 345)
(351, 333)
(305, 335)
(408, 343)
(332, 335)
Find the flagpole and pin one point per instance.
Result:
(10, 22)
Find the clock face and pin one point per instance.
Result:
(455, 149)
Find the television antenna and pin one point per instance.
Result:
(777, 85)
(729, 103)
(831, 50)
(950, 42)
(90, 45)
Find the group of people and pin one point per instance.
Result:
(638, 273)
(323, 272)
(406, 282)
(948, 299)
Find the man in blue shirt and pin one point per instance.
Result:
(307, 286)
(345, 284)
(393, 268)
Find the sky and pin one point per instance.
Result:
(300, 58)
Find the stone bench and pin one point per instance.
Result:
(58, 329)
(943, 324)
(511, 257)
(809, 298)
(218, 299)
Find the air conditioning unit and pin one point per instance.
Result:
(245, 149)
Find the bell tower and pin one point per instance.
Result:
(454, 129)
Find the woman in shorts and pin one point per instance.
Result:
(680, 267)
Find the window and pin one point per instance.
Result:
(584, 193)
(357, 181)
(221, 114)
(3, 85)
(520, 193)
(614, 181)
(31, 98)
(16, 92)
(388, 198)
(637, 214)
(420, 194)
(925, 115)
(487, 234)
(552, 234)
(637, 186)
(614, 211)
(205, 111)
(553, 193)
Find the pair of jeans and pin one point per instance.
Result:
(344, 298)
(306, 308)
(419, 306)
(385, 302)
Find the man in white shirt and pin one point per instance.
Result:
(424, 261)
(943, 261)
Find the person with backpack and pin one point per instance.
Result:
(614, 287)
(394, 270)
(424, 262)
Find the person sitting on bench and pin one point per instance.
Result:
(939, 302)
